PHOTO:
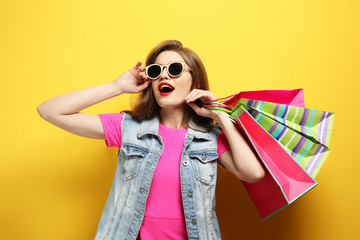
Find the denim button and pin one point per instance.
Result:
(193, 220)
(190, 193)
(185, 163)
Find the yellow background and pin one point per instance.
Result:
(54, 184)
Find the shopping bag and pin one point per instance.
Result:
(279, 188)
(285, 180)
(304, 133)
(293, 97)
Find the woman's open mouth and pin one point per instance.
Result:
(165, 89)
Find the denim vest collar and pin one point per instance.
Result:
(152, 127)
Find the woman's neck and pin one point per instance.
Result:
(174, 118)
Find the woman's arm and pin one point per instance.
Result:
(240, 159)
(64, 111)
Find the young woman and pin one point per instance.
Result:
(164, 185)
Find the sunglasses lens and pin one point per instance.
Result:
(175, 69)
(154, 71)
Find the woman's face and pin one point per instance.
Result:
(181, 85)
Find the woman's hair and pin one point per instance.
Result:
(146, 107)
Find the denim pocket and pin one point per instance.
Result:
(204, 165)
(131, 159)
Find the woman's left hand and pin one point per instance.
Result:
(203, 96)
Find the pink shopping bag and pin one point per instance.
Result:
(291, 97)
(285, 179)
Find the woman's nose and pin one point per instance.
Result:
(164, 74)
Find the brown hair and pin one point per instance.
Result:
(146, 106)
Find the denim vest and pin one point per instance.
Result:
(141, 147)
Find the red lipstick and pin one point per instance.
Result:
(165, 88)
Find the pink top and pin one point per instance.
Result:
(163, 217)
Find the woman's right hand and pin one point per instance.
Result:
(133, 81)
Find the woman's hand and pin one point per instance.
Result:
(203, 96)
(133, 81)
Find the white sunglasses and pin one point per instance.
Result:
(174, 69)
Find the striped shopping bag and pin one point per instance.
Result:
(304, 133)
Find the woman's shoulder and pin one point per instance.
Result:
(130, 119)
(129, 116)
